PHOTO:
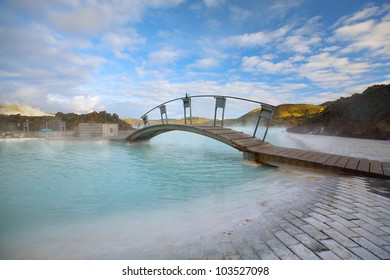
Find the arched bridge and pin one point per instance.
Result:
(254, 148)
(228, 136)
(235, 139)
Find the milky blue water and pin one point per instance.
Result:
(76, 199)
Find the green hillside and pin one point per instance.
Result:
(285, 114)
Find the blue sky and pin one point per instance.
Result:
(126, 56)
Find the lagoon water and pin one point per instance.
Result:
(77, 199)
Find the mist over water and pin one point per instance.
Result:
(74, 199)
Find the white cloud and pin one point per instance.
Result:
(214, 3)
(350, 31)
(239, 14)
(362, 32)
(83, 20)
(122, 42)
(301, 44)
(324, 69)
(280, 8)
(36, 52)
(264, 64)
(163, 57)
(328, 70)
(328, 61)
(39, 62)
(79, 104)
(256, 39)
(367, 12)
(377, 41)
(303, 38)
(93, 17)
(84, 104)
(205, 63)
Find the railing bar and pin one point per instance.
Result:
(161, 105)
(234, 97)
(195, 96)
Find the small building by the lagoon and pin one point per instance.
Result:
(97, 130)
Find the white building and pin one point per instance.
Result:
(98, 130)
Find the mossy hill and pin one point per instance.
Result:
(285, 114)
(365, 115)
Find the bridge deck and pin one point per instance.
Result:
(274, 155)
(264, 152)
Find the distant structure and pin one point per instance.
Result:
(97, 130)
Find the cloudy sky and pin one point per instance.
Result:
(126, 56)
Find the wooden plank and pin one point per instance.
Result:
(376, 167)
(260, 148)
(308, 155)
(303, 156)
(323, 158)
(207, 127)
(282, 151)
(296, 154)
(271, 150)
(300, 156)
(276, 151)
(342, 162)
(236, 135)
(287, 151)
(364, 165)
(386, 168)
(332, 160)
(315, 156)
(352, 163)
(222, 131)
(249, 142)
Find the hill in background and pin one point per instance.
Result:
(365, 115)
(285, 114)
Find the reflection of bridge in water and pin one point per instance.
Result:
(254, 148)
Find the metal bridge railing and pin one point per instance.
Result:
(265, 113)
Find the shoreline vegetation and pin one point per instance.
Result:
(363, 115)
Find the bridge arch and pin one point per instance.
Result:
(224, 135)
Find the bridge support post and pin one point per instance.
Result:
(266, 113)
(187, 104)
(249, 156)
(220, 102)
(145, 120)
(163, 111)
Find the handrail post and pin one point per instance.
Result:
(145, 119)
(220, 102)
(187, 104)
(257, 124)
(267, 113)
(269, 123)
(163, 110)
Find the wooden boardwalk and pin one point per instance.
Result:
(263, 152)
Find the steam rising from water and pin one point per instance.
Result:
(106, 200)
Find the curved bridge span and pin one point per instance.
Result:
(233, 138)
(254, 148)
